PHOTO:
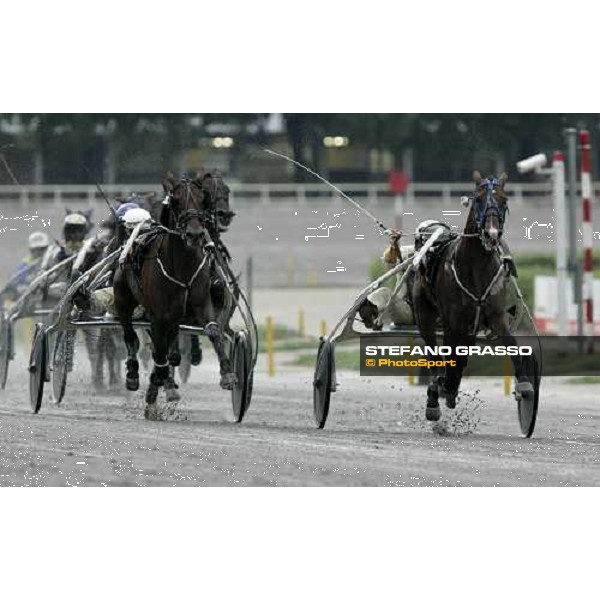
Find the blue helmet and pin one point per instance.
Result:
(124, 208)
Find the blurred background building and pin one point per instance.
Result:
(365, 148)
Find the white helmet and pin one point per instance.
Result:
(425, 224)
(134, 216)
(38, 239)
(420, 234)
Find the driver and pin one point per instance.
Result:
(75, 229)
(38, 243)
(101, 301)
(381, 307)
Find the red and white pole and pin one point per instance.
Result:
(588, 260)
(560, 236)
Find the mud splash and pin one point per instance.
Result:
(462, 421)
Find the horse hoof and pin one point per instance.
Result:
(451, 402)
(151, 412)
(132, 384)
(524, 391)
(433, 414)
(196, 357)
(151, 394)
(172, 395)
(524, 387)
(228, 381)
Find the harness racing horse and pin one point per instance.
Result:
(103, 347)
(173, 286)
(216, 199)
(467, 293)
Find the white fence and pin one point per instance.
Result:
(275, 224)
(546, 309)
(268, 193)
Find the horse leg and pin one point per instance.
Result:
(215, 335)
(175, 352)
(132, 342)
(114, 372)
(94, 350)
(125, 304)
(195, 350)
(162, 335)
(524, 385)
(206, 315)
(450, 383)
(426, 316)
(174, 361)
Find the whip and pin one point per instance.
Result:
(320, 178)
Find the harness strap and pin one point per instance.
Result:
(481, 300)
(186, 286)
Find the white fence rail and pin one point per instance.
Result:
(256, 193)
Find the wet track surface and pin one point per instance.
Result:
(376, 435)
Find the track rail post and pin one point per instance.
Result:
(588, 259)
(301, 322)
(560, 231)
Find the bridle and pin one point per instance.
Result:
(481, 211)
(484, 208)
(185, 214)
(223, 217)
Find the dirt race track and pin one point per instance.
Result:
(376, 435)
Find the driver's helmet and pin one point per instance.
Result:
(75, 228)
(124, 208)
(38, 240)
(135, 216)
(424, 230)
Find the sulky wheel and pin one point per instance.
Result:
(5, 348)
(62, 363)
(38, 361)
(323, 382)
(250, 369)
(528, 399)
(239, 395)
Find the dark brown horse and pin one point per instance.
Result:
(216, 198)
(467, 293)
(173, 286)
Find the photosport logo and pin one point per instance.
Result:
(391, 354)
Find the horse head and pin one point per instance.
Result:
(488, 209)
(187, 209)
(217, 193)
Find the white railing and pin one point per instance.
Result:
(267, 193)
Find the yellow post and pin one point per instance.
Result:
(270, 352)
(311, 277)
(291, 269)
(301, 322)
(411, 371)
(323, 328)
(507, 374)
(25, 331)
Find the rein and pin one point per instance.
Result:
(481, 300)
(179, 231)
(186, 286)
